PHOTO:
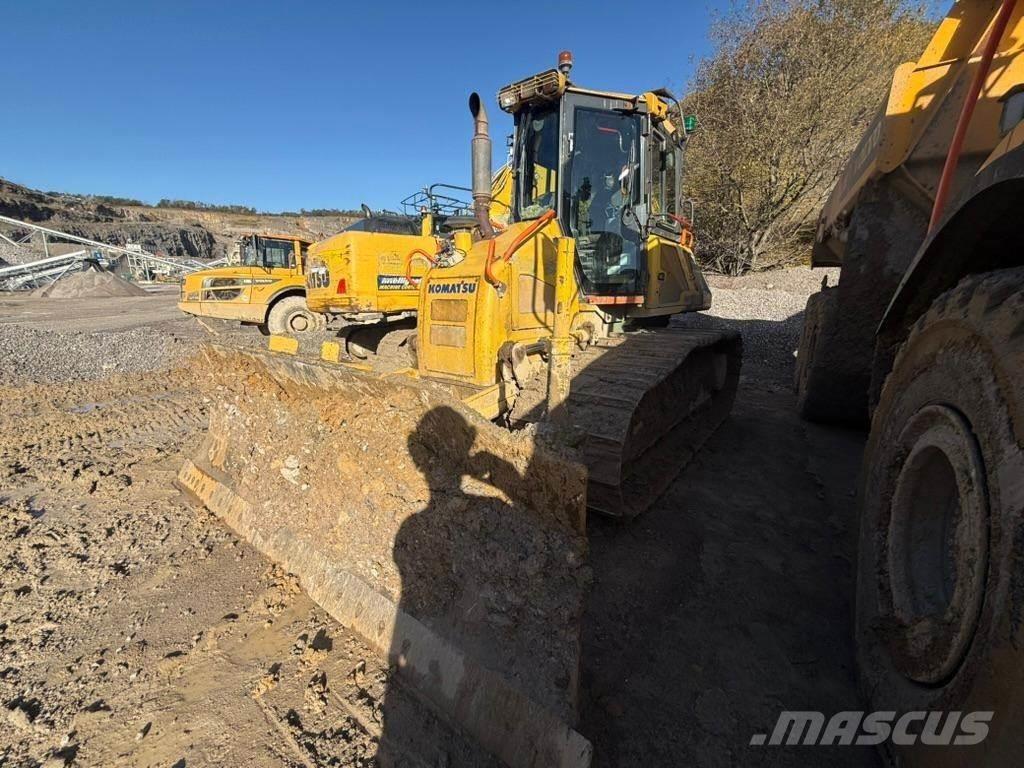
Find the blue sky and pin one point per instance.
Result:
(287, 105)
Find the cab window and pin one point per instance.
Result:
(538, 183)
(250, 257)
(276, 253)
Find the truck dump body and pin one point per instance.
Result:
(907, 142)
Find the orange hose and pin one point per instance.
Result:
(489, 265)
(408, 262)
(525, 235)
(967, 111)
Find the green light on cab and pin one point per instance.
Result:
(690, 123)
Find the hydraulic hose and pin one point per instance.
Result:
(516, 244)
(967, 111)
(408, 263)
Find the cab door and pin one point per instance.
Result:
(674, 281)
(279, 259)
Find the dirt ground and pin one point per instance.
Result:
(135, 629)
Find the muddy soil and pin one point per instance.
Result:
(135, 629)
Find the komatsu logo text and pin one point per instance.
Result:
(461, 287)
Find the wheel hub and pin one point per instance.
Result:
(299, 323)
(937, 545)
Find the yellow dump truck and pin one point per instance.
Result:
(923, 338)
(265, 287)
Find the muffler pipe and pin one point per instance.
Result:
(481, 166)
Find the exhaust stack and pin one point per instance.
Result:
(481, 166)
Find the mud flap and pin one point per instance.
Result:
(455, 549)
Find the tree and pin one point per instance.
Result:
(782, 101)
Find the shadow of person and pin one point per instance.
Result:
(428, 546)
(480, 571)
(442, 586)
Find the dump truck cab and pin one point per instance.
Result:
(264, 269)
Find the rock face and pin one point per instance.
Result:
(169, 232)
(192, 241)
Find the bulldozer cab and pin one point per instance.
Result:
(609, 165)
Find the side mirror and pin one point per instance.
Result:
(292, 261)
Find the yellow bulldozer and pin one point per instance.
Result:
(922, 337)
(438, 509)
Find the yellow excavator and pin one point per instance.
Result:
(439, 509)
(362, 276)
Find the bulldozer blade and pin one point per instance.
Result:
(455, 549)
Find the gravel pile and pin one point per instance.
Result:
(90, 282)
(800, 280)
(33, 355)
(767, 308)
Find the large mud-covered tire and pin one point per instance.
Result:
(291, 317)
(819, 315)
(829, 377)
(940, 586)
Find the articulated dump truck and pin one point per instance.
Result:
(923, 337)
(263, 284)
(439, 509)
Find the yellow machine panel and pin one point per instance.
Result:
(356, 273)
(673, 280)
